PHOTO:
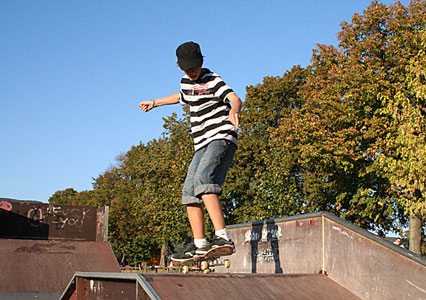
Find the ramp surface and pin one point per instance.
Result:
(367, 265)
(43, 245)
(38, 266)
(200, 286)
(247, 286)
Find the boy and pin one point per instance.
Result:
(214, 125)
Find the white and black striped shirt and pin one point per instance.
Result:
(209, 108)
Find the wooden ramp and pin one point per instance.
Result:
(367, 265)
(199, 286)
(36, 266)
(42, 246)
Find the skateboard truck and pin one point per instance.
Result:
(205, 265)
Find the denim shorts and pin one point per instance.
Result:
(207, 171)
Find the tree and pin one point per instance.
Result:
(403, 156)
(63, 197)
(392, 43)
(347, 130)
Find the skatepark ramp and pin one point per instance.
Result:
(313, 256)
(198, 286)
(42, 246)
(363, 263)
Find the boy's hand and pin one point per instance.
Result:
(146, 105)
(234, 117)
(150, 104)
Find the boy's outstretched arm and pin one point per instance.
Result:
(234, 114)
(150, 104)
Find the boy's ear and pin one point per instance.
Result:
(177, 64)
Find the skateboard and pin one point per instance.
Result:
(204, 262)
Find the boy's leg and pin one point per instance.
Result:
(212, 203)
(214, 209)
(199, 246)
(195, 215)
(193, 204)
(196, 219)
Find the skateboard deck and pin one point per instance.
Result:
(204, 262)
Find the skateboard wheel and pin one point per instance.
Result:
(185, 269)
(206, 271)
(226, 263)
(204, 265)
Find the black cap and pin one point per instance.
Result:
(189, 56)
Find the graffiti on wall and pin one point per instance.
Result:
(266, 235)
(31, 218)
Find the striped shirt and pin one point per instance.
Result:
(209, 108)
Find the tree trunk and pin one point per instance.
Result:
(163, 255)
(416, 229)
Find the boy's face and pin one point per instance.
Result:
(193, 73)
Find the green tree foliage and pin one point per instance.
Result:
(63, 197)
(403, 157)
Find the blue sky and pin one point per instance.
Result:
(72, 73)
